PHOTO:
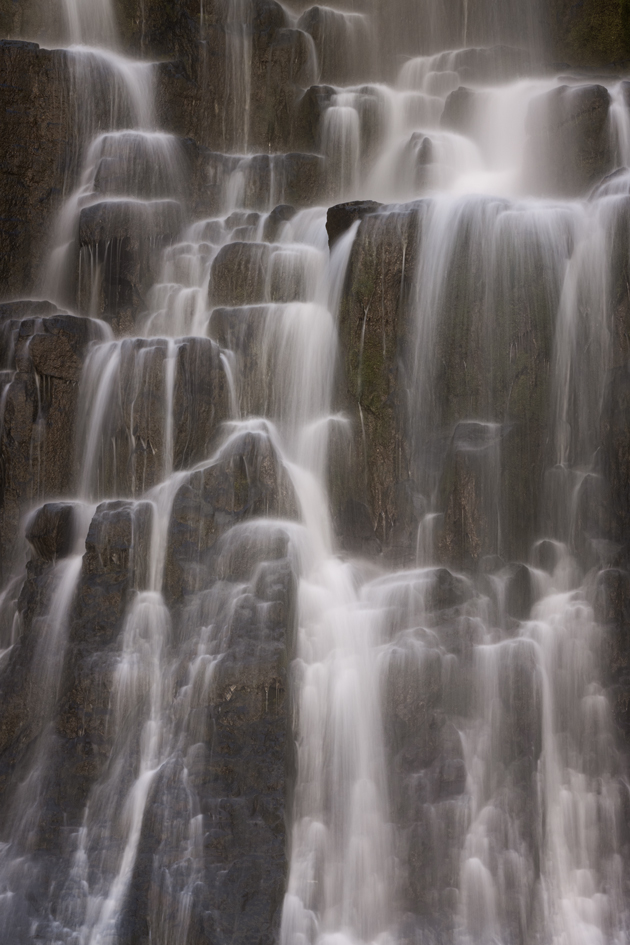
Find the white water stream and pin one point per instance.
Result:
(515, 830)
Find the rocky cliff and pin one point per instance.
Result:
(251, 418)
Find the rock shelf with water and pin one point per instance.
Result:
(314, 472)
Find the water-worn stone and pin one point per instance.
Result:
(201, 400)
(249, 775)
(120, 240)
(115, 562)
(570, 146)
(616, 450)
(493, 349)
(468, 495)
(520, 593)
(40, 408)
(199, 95)
(342, 43)
(51, 530)
(309, 111)
(245, 480)
(35, 157)
(238, 762)
(275, 222)
(11, 316)
(341, 217)
(239, 274)
(373, 332)
(611, 598)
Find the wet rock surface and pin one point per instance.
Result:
(569, 130)
(36, 154)
(40, 412)
(593, 34)
(120, 237)
(246, 481)
(164, 723)
(339, 219)
(373, 335)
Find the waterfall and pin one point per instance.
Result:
(314, 506)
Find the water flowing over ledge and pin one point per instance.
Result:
(314, 453)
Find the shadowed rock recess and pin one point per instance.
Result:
(314, 472)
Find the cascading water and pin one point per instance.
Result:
(453, 773)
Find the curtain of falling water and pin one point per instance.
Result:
(456, 778)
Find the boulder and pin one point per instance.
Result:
(51, 530)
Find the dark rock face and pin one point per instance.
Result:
(250, 765)
(113, 565)
(469, 487)
(493, 355)
(571, 146)
(612, 609)
(165, 404)
(595, 33)
(492, 64)
(274, 223)
(310, 108)
(372, 333)
(222, 584)
(616, 449)
(341, 217)
(246, 481)
(53, 102)
(159, 30)
(296, 178)
(239, 274)
(51, 531)
(35, 156)
(426, 766)
(40, 408)
(194, 97)
(341, 42)
(120, 237)
(201, 400)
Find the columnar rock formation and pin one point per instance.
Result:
(314, 472)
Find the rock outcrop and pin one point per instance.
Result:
(40, 412)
